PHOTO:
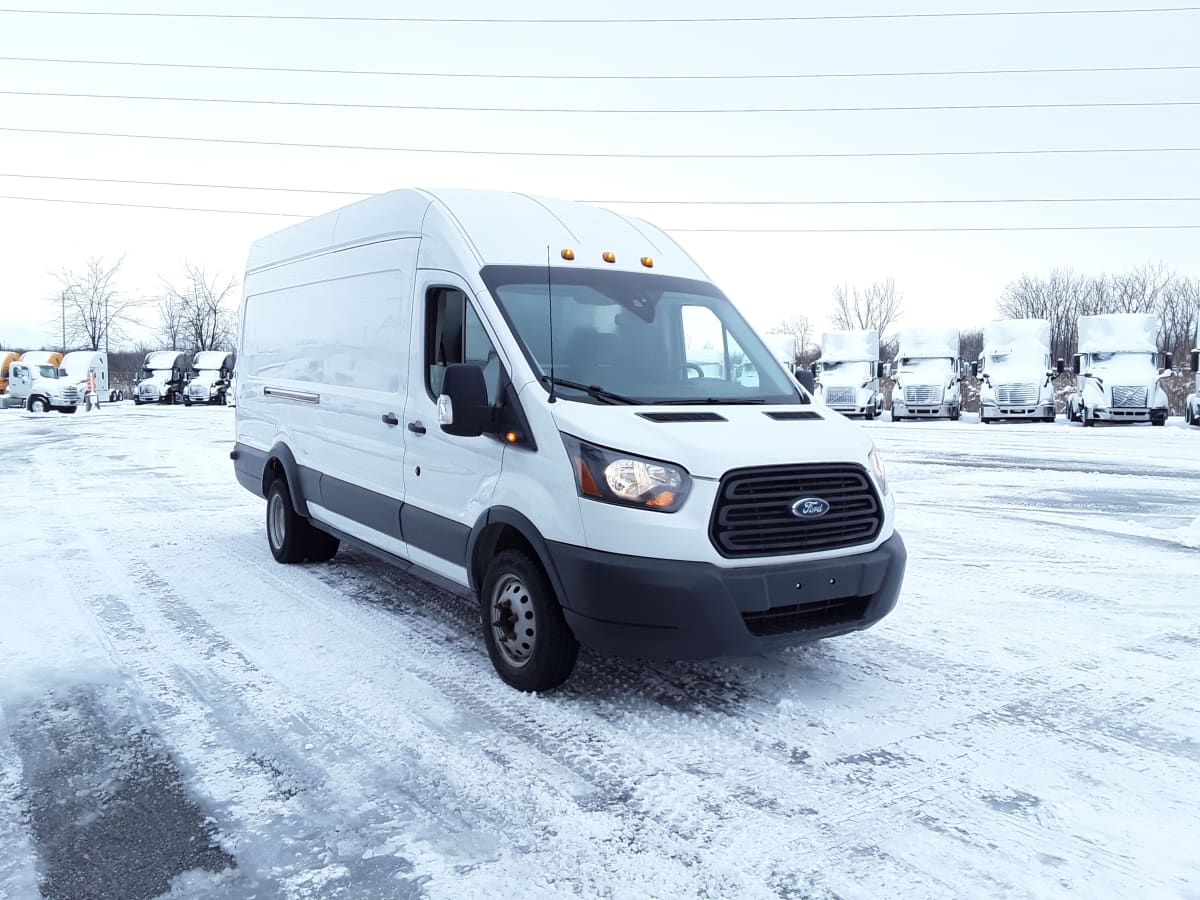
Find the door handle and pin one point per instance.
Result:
(390, 419)
(416, 427)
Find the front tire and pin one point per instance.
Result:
(38, 405)
(529, 642)
(1088, 421)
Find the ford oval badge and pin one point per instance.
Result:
(810, 507)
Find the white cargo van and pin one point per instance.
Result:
(208, 379)
(495, 391)
(848, 373)
(927, 375)
(1118, 378)
(1016, 378)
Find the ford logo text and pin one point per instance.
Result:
(810, 507)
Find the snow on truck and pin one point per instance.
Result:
(848, 373)
(927, 375)
(414, 378)
(6, 358)
(22, 373)
(1118, 378)
(208, 379)
(1016, 379)
(65, 389)
(164, 373)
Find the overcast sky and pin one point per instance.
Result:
(947, 277)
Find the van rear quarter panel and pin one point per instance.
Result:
(335, 325)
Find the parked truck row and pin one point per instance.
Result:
(43, 380)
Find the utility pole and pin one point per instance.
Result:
(63, 297)
(106, 324)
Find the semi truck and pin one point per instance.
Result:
(66, 390)
(6, 358)
(1117, 374)
(23, 371)
(1016, 380)
(164, 374)
(208, 379)
(927, 375)
(1191, 406)
(848, 373)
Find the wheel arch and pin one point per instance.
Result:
(502, 528)
(281, 463)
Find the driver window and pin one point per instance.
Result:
(455, 334)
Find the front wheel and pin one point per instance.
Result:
(38, 405)
(1088, 421)
(528, 640)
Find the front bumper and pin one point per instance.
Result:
(1126, 414)
(945, 410)
(671, 609)
(1044, 411)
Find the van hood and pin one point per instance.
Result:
(743, 435)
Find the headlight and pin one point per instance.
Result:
(611, 476)
(877, 466)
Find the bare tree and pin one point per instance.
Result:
(875, 307)
(1060, 298)
(970, 344)
(197, 315)
(93, 311)
(800, 329)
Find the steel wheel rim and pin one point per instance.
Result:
(276, 521)
(513, 620)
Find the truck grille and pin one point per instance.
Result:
(802, 616)
(923, 395)
(1017, 394)
(1129, 396)
(753, 512)
(843, 396)
(72, 394)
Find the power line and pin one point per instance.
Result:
(946, 229)
(610, 110)
(565, 154)
(635, 202)
(592, 77)
(457, 20)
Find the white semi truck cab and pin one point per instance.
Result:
(1191, 406)
(67, 391)
(1015, 373)
(164, 373)
(1118, 378)
(848, 373)
(927, 375)
(208, 379)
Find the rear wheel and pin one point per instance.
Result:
(321, 547)
(528, 640)
(287, 531)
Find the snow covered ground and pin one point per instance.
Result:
(179, 713)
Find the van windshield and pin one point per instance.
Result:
(643, 338)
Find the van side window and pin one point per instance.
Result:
(454, 334)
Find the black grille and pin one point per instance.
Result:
(753, 513)
(792, 415)
(683, 417)
(783, 619)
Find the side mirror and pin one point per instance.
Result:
(887, 370)
(974, 370)
(462, 406)
(1060, 366)
(1168, 360)
(879, 369)
(807, 381)
(1194, 361)
(814, 368)
(1077, 363)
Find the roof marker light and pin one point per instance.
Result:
(568, 254)
(608, 256)
(648, 262)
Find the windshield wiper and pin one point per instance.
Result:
(711, 401)
(592, 390)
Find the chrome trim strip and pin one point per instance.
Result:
(302, 396)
